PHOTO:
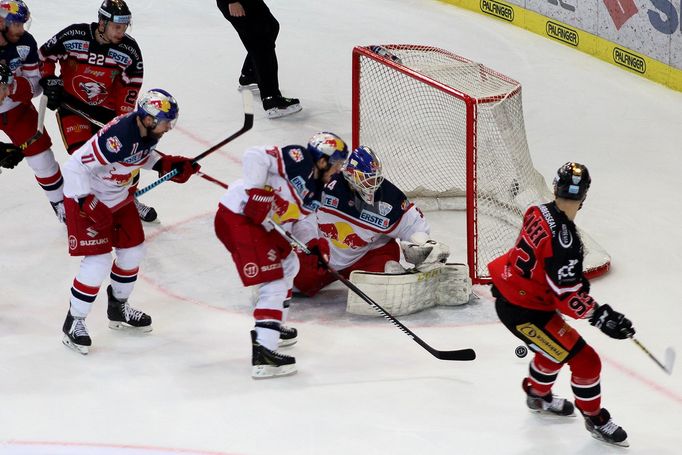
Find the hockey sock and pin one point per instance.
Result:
(585, 368)
(542, 375)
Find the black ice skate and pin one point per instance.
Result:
(278, 106)
(147, 213)
(287, 336)
(549, 404)
(248, 83)
(124, 317)
(58, 208)
(76, 334)
(269, 364)
(603, 428)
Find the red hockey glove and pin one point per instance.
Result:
(99, 213)
(184, 166)
(258, 206)
(320, 248)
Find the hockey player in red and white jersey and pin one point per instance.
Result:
(360, 219)
(281, 184)
(540, 279)
(100, 74)
(101, 215)
(19, 76)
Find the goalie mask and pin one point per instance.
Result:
(362, 170)
(572, 182)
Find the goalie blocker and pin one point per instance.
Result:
(410, 291)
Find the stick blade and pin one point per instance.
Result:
(669, 360)
(460, 355)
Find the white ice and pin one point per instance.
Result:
(363, 387)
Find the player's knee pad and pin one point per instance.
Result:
(94, 269)
(271, 295)
(585, 364)
(43, 164)
(130, 258)
(291, 266)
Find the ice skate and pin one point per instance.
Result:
(269, 364)
(248, 83)
(124, 317)
(76, 334)
(288, 336)
(549, 404)
(278, 106)
(58, 208)
(603, 428)
(147, 213)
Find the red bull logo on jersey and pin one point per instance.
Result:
(119, 179)
(341, 235)
(285, 211)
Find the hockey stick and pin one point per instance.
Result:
(40, 127)
(669, 356)
(460, 354)
(247, 98)
(70, 108)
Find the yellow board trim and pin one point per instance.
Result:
(567, 35)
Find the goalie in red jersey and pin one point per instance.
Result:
(540, 279)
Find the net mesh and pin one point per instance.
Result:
(412, 110)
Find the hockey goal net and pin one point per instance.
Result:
(450, 134)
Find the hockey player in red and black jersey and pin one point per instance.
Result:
(281, 184)
(19, 76)
(101, 72)
(539, 280)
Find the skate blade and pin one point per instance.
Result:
(267, 371)
(277, 113)
(286, 343)
(75, 347)
(550, 414)
(154, 222)
(599, 437)
(123, 327)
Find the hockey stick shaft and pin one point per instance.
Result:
(461, 354)
(667, 369)
(247, 98)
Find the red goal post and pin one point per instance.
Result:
(450, 134)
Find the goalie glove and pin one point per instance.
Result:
(423, 253)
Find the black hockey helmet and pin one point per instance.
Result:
(115, 11)
(572, 181)
(6, 77)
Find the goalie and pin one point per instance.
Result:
(361, 226)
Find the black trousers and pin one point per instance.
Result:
(258, 31)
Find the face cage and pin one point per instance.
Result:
(364, 184)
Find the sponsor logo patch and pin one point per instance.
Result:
(296, 155)
(250, 270)
(298, 183)
(114, 144)
(374, 219)
(72, 242)
(385, 208)
(330, 201)
(23, 51)
(539, 338)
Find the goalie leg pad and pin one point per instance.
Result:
(454, 286)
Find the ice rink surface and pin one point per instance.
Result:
(363, 387)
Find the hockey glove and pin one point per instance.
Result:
(184, 166)
(99, 213)
(320, 248)
(259, 204)
(612, 323)
(10, 155)
(53, 87)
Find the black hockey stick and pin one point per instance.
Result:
(669, 356)
(460, 354)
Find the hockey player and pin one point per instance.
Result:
(281, 184)
(101, 215)
(360, 218)
(539, 280)
(101, 73)
(19, 76)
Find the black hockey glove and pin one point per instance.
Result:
(10, 155)
(612, 323)
(53, 87)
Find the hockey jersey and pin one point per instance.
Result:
(104, 165)
(94, 74)
(288, 171)
(354, 228)
(544, 269)
(22, 59)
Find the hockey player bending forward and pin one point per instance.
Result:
(539, 280)
(281, 184)
(359, 220)
(101, 214)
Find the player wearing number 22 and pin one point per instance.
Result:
(101, 215)
(539, 280)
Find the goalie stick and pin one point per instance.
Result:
(669, 356)
(247, 99)
(460, 354)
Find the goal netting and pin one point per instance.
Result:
(450, 134)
